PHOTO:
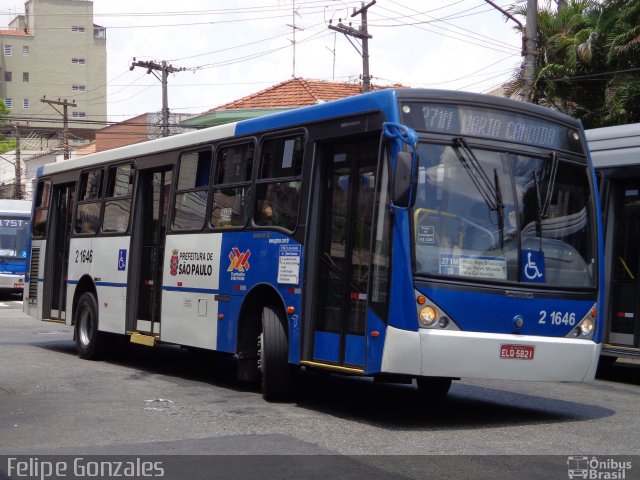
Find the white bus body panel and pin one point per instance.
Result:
(111, 281)
(189, 308)
(446, 353)
(614, 146)
(77, 268)
(97, 257)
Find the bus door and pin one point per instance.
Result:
(625, 285)
(347, 196)
(148, 247)
(55, 286)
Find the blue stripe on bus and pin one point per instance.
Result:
(384, 100)
(99, 284)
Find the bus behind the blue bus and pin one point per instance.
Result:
(15, 234)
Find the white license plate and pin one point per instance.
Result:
(517, 352)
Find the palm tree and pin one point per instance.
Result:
(623, 55)
(587, 60)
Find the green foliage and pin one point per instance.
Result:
(588, 61)
(7, 144)
(4, 143)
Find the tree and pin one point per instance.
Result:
(587, 61)
(6, 144)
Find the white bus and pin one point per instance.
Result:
(615, 152)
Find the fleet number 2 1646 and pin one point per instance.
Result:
(557, 318)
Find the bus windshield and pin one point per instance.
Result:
(503, 216)
(14, 234)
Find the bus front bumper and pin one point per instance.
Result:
(11, 282)
(443, 353)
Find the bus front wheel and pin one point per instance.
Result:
(89, 341)
(433, 388)
(274, 356)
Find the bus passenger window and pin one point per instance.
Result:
(191, 196)
(89, 202)
(87, 216)
(229, 207)
(231, 180)
(117, 206)
(42, 209)
(277, 204)
(278, 186)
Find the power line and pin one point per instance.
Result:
(487, 42)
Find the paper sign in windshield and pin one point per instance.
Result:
(473, 266)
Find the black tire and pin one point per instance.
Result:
(433, 388)
(274, 356)
(90, 343)
(606, 361)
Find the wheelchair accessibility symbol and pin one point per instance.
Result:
(532, 267)
(122, 259)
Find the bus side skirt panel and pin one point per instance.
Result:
(403, 315)
(374, 343)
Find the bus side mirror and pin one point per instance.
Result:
(402, 180)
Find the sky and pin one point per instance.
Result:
(232, 48)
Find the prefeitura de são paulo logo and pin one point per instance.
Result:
(174, 262)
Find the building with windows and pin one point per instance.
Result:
(54, 50)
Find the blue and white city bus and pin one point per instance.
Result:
(15, 217)
(402, 234)
(615, 152)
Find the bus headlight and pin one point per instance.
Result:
(586, 327)
(428, 316)
(431, 315)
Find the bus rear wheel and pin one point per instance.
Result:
(433, 388)
(274, 356)
(90, 343)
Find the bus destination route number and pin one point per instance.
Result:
(84, 256)
(517, 352)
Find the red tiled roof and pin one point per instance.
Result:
(297, 92)
(21, 33)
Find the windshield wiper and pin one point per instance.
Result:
(542, 211)
(490, 192)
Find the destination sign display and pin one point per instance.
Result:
(467, 120)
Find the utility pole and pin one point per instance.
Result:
(17, 194)
(152, 67)
(65, 120)
(529, 47)
(294, 28)
(531, 34)
(363, 35)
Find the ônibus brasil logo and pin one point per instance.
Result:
(239, 260)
